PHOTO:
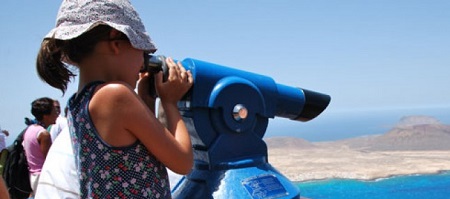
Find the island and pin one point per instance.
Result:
(416, 145)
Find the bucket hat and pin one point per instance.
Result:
(75, 17)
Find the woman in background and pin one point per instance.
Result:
(37, 140)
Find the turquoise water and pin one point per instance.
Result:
(419, 186)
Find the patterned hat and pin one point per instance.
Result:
(75, 17)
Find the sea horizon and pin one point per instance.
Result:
(350, 124)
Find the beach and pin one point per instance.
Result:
(317, 163)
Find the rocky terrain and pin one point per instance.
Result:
(416, 145)
(411, 133)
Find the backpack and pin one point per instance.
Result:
(15, 169)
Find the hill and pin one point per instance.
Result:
(410, 133)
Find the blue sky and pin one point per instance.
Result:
(368, 55)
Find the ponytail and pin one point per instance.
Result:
(54, 52)
(50, 67)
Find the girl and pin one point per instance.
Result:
(120, 147)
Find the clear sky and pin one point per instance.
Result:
(367, 55)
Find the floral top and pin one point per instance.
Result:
(111, 172)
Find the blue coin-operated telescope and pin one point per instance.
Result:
(227, 112)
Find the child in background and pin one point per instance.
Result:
(120, 147)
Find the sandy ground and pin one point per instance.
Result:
(324, 163)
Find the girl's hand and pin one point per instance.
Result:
(143, 84)
(177, 84)
(146, 85)
(143, 90)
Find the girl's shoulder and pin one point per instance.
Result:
(114, 86)
(114, 90)
(114, 95)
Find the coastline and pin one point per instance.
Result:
(316, 164)
(444, 172)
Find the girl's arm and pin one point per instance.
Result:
(121, 116)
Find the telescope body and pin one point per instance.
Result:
(227, 112)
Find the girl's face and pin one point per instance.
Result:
(131, 61)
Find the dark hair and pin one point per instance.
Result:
(53, 52)
(42, 106)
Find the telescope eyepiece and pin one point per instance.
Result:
(153, 63)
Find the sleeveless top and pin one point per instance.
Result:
(111, 172)
(35, 157)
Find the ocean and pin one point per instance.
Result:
(434, 186)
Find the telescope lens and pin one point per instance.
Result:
(315, 104)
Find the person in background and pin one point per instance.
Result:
(37, 140)
(3, 154)
(3, 135)
(60, 124)
(120, 147)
